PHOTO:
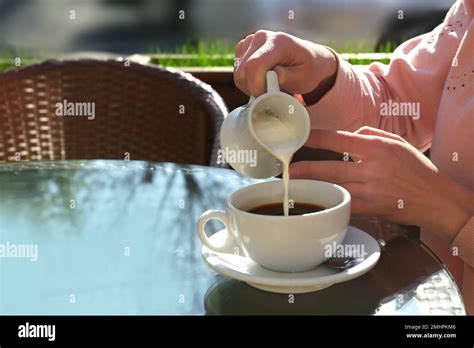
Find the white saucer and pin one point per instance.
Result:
(244, 269)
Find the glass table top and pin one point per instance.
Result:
(118, 237)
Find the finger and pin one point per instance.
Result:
(273, 52)
(290, 77)
(331, 171)
(239, 66)
(243, 46)
(255, 41)
(240, 72)
(282, 73)
(361, 207)
(256, 67)
(341, 141)
(362, 200)
(378, 132)
(238, 48)
(356, 189)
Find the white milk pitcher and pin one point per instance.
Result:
(255, 137)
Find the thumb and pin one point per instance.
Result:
(282, 72)
(294, 78)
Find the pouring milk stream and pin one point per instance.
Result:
(274, 125)
(280, 135)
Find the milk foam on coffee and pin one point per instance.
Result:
(279, 133)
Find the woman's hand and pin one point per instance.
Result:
(301, 65)
(391, 179)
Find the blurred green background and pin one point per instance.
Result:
(204, 32)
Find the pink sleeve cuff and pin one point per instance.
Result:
(335, 110)
(464, 242)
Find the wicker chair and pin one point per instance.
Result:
(141, 111)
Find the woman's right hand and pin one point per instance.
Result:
(302, 66)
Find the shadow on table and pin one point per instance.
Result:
(232, 297)
(392, 283)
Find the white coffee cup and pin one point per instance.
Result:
(282, 243)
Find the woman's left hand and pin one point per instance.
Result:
(391, 179)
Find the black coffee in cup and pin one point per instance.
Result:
(276, 209)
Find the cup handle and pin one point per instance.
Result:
(272, 84)
(219, 215)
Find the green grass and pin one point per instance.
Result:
(220, 53)
(7, 60)
(361, 47)
(206, 54)
(202, 54)
(4, 66)
(357, 61)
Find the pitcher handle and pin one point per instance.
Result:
(272, 84)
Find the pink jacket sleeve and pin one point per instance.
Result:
(416, 74)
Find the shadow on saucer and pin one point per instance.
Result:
(232, 297)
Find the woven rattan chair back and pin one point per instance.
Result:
(140, 112)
